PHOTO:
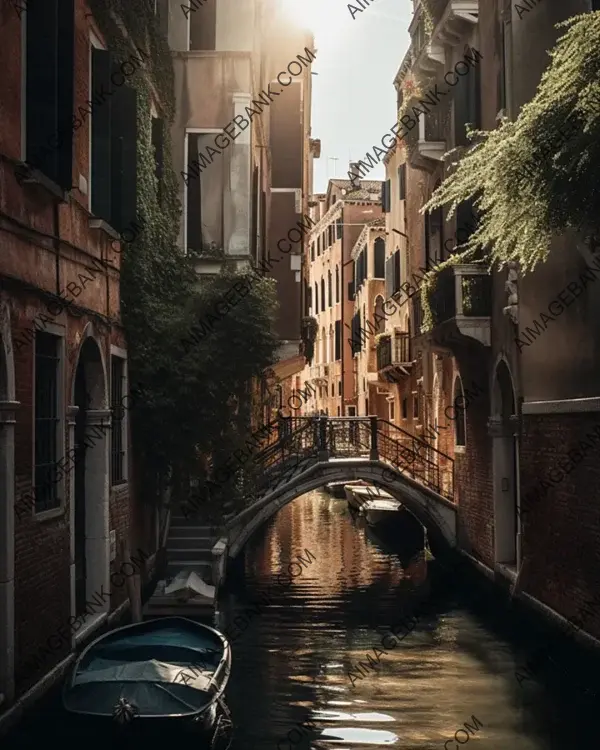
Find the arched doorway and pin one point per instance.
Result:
(89, 436)
(505, 469)
(8, 408)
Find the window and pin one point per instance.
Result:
(309, 296)
(338, 340)
(379, 258)
(329, 285)
(205, 196)
(416, 406)
(161, 10)
(460, 418)
(118, 438)
(338, 224)
(203, 26)
(49, 86)
(316, 297)
(386, 189)
(318, 245)
(322, 294)
(337, 284)
(339, 387)
(405, 408)
(113, 177)
(312, 250)
(47, 423)
(333, 389)
(402, 182)
(392, 410)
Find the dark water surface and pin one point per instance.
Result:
(290, 686)
(450, 682)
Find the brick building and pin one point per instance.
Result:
(340, 215)
(507, 407)
(68, 134)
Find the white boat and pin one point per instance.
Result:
(379, 510)
(336, 489)
(349, 487)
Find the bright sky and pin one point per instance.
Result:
(354, 100)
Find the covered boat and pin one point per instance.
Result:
(160, 673)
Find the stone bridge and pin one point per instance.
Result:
(304, 453)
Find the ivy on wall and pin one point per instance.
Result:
(536, 177)
(195, 403)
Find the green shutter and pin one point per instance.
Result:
(41, 86)
(65, 91)
(101, 134)
(124, 157)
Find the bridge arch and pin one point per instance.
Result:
(435, 512)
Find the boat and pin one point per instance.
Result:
(379, 509)
(360, 494)
(336, 489)
(168, 673)
(348, 491)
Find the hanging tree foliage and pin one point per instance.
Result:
(537, 176)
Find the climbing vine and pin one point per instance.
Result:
(196, 402)
(537, 176)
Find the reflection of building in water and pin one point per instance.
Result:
(343, 555)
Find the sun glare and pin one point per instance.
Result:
(322, 17)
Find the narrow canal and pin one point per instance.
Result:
(315, 597)
(296, 681)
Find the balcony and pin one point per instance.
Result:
(463, 298)
(318, 374)
(394, 356)
(456, 20)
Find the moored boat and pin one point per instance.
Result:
(379, 509)
(165, 673)
(336, 489)
(353, 501)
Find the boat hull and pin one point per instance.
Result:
(202, 722)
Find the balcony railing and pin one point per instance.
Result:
(464, 293)
(394, 352)
(319, 373)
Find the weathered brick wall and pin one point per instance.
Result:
(58, 250)
(561, 534)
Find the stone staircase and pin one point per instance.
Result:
(189, 545)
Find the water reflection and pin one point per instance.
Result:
(290, 685)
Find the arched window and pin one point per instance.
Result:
(316, 298)
(329, 299)
(331, 344)
(379, 316)
(459, 415)
(379, 258)
(337, 284)
(322, 294)
(323, 346)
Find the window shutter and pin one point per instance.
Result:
(383, 196)
(388, 278)
(366, 262)
(402, 181)
(163, 17)
(339, 229)
(65, 90)
(124, 158)
(388, 196)
(101, 136)
(338, 339)
(397, 270)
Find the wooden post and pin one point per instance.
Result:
(133, 584)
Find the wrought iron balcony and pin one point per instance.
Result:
(463, 294)
(394, 355)
(318, 374)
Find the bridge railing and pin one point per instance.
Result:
(322, 437)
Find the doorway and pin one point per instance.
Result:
(505, 450)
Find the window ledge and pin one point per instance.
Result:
(49, 515)
(96, 223)
(460, 449)
(34, 176)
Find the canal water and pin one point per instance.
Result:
(450, 682)
(309, 609)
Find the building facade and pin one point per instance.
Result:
(68, 136)
(507, 401)
(340, 216)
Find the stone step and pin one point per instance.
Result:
(198, 532)
(191, 542)
(189, 553)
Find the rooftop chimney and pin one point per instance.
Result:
(354, 174)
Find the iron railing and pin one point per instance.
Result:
(304, 440)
